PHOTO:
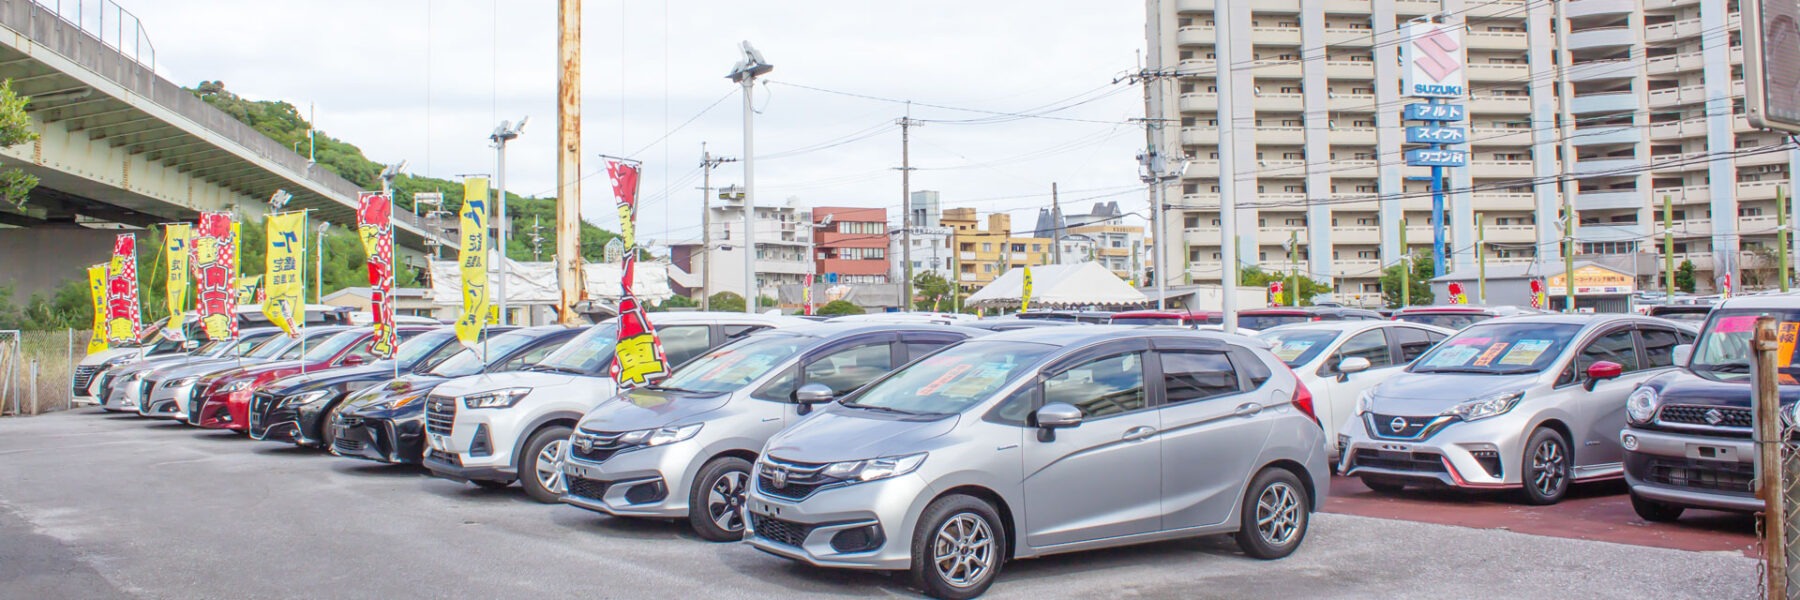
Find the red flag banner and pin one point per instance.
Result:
(374, 223)
(625, 187)
(638, 359)
(122, 318)
(215, 275)
(806, 294)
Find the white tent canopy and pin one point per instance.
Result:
(1060, 286)
(529, 283)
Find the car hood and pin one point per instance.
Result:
(416, 383)
(838, 433)
(102, 356)
(645, 409)
(203, 368)
(487, 382)
(315, 380)
(1684, 387)
(1432, 393)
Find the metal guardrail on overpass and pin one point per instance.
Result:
(101, 52)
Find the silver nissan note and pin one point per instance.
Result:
(1036, 442)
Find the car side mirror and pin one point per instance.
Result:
(1682, 353)
(353, 360)
(1354, 364)
(813, 393)
(1053, 416)
(1601, 371)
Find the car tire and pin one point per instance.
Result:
(327, 433)
(1275, 514)
(716, 502)
(543, 480)
(1546, 467)
(976, 536)
(490, 484)
(1655, 512)
(1382, 485)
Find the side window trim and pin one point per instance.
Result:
(1144, 355)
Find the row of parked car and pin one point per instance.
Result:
(946, 446)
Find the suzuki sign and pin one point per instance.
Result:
(1433, 61)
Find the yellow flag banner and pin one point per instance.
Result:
(246, 288)
(177, 242)
(97, 289)
(284, 282)
(1025, 293)
(474, 261)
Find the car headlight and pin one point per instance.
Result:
(175, 383)
(117, 360)
(307, 397)
(660, 435)
(495, 399)
(402, 401)
(874, 468)
(1641, 404)
(236, 386)
(1482, 408)
(1365, 401)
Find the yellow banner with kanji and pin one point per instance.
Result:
(473, 261)
(1025, 291)
(97, 289)
(284, 281)
(177, 241)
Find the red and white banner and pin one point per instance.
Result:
(638, 358)
(806, 294)
(122, 317)
(215, 275)
(1456, 293)
(1537, 294)
(374, 224)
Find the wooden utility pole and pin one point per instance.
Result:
(906, 270)
(1668, 221)
(568, 162)
(707, 163)
(1764, 348)
(1056, 226)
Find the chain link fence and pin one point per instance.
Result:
(35, 370)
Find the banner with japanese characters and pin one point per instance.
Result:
(1025, 291)
(806, 294)
(473, 260)
(215, 275)
(177, 237)
(122, 323)
(97, 290)
(374, 224)
(284, 272)
(638, 359)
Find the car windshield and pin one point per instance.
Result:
(1499, 348)
(1685, 316)
(271, 347)
(468, 362)
(1298, 345)
(1146, 321)
(952, 380)
(1260, 322)
(1447, 320)
(421, 346)
(214, 348)
(735, 365)
(324, 351)
(587, 353)
(1723, 351)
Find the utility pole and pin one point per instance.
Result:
(506, 132)
(1056, 226)
(1294, 267)
(1668, 219)
(537, 239)
(568, 165)
(1781, 235)
(1405, 267)
(744, 73)
(906, 125)
(1566, 129)
(1481, 257)
(319, 265)
(707, 163)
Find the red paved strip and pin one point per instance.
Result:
(1595, 511)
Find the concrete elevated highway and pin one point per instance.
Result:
(119, 144)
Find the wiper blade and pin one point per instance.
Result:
(1473, 370)
(1726, 367)
(886, 409)
(664, 388)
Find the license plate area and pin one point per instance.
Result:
(1712, 453)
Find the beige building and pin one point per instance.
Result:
(983, 254)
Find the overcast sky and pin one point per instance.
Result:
(428, 81)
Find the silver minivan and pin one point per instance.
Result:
(1037, 442)
(683, 448)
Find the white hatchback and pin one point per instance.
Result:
(1337, 360)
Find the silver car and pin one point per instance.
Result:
(1037, 442)
(684, 448)
(1531, 402)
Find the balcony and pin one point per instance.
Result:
(1496, 40)
(1589, 8)
(1759, 190)
(1757, 224)
(1275, 36)
(1355, 267)
(1200, 135)
(1596, 136)
(1676, 63)
(1608, 102)
(1283, 102)
(1612, 232)
(1500, 136)
(1195, 35)
(1282, 135)
(1353, 136)
(1341, 37)
(1200, 102)
(1671, 31)
(1502, 202)
(1693, 94)
(1499, 72)
(1691, 228)
(1608, 200)
(1510, 234)
(1596, 70)
(1509, 105)
(1606, 167)
(1356, 234)
(1278, 69)
(1605, 37)
(1503, 169)
(1350, 69)
(1763, 158)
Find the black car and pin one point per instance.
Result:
(386, 422)
(295, 409)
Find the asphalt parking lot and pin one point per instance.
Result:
(113, 506)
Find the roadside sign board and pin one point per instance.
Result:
(1434, 112)
(1428, 157)
(1432, 134)
(1772, 64)
(1432, 61)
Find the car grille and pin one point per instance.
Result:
(798, 480)
(1704, 416)
(84, 375)
(779, 531)
(343, 445)
(260, 405)
(440, 414)
(587, 488)
(1713, 476)
(1412, 428)
(194, 401)
(600, 446)
(1414, 462)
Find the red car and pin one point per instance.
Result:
(1179, 318)
(222, 401)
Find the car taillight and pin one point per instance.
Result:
(1303, 400)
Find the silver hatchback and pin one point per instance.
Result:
(1037, 442)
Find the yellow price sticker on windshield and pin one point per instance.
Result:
(1789, 332)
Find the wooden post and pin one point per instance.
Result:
(569, 274)
(1765, 347)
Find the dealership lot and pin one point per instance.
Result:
(100, 506)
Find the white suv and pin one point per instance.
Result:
(491, 429)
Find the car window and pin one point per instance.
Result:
(1684, 336)
(1103, 387)
(1414, 342)
(1659, 347)
(846, 369)
(1197, 376)
(529, 357)
(917, 349)
(1015, 409)
(733, 332)
(1371, 345)
(1615, 347)
(683, 343)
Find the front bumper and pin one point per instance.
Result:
(804, 530)
(388, 440)
(1690, 470)
(449, 466)
(637, 482)
(1483, 454)
(222, 411)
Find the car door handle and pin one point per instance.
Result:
(1138, 433)
(1247, 409)
(771, 419)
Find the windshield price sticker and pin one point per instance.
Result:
(1453, 356)
(1291, 350)
(1487, 356)
(1789, 333)
(983, 381)
(1525, 352)
(942, 380)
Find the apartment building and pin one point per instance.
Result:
(850, 245)
(1098, 235)
(931, 251)
(1657, 110)
(782, 238)
(983, 254)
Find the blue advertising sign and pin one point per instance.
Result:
(1432, 134)
(1427, 157)
(1434, 112)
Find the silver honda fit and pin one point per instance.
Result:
(1036, 442)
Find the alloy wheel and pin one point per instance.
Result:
(963, 550)
(1278, 514)
(549, 466)
(725, 501)
(1549, 466)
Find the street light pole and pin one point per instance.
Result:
(319, 265)
(745, 73)
(506, 132)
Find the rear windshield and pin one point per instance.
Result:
(1296, 346)
(468, 361)
(1270, 321)
(1447, 320)
(1146, 321)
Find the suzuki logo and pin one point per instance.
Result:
(1436, 54)
(1398, 424)
(1714, 417)
(778, 477)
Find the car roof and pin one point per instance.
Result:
(722, 317)
(1081, 336)
(1584, 319)
(1777, 300)
(1169, 314)
(830, 330)
(1346, 325)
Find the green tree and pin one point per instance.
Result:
(726, 302)
(1684, 276)
(840, 307)
(1252, 276)
(674, 302)
(1419, 281)
(932, 290)
(15, 129)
